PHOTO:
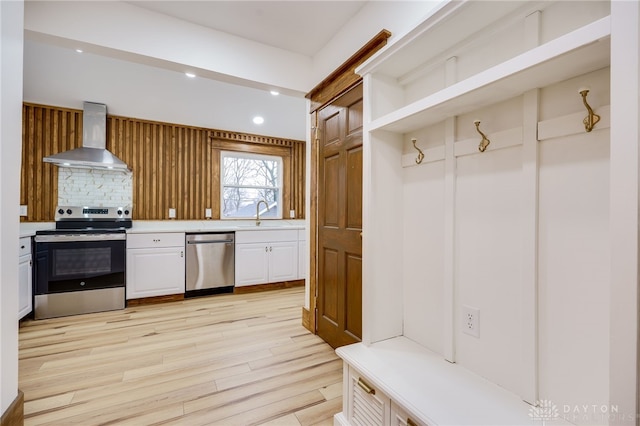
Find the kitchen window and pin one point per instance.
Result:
(247, 179)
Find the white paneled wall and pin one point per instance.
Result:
(574, 257)
(423, 199)
(99, 188)
(534, 213)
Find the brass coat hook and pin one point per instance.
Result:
(420, 153)
(590, 120)
(484, 143)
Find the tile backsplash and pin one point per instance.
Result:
(93, 187)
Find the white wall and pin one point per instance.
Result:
(11, 18)
(396, 16)
(130, 32)
(143, 77)
(59, 76)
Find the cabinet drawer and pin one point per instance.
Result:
(367, 405)
(167, 239)
(400, 417)
(25, 246)
(271, 235)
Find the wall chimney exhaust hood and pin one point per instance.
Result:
(93, 153)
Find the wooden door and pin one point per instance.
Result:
(339, 287)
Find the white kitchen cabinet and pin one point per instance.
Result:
(302, 254)
(155, 264)
(25, 279)
(490, 229)
(266, 256)
(252, 263)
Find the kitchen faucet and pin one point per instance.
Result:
(258, 211)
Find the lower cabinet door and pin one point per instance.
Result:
(25, 287)
(252, 264)
(283, 261)
(367, 405)
(155, 272)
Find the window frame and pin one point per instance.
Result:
(253, 156)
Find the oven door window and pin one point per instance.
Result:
(70, 262)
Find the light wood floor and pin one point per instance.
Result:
(218, 360)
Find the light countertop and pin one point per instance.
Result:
(147, 226)
(154, 226)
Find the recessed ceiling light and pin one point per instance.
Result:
(190, 74)
(258, 120)
(79, 50)
(274, 92)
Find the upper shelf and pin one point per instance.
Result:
(578, 52)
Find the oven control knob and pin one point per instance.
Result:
(69, 211)
(60, 211)
(119, 212)
(82, 283)
(126, 212)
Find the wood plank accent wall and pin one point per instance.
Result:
(174, 166)
(45, 131)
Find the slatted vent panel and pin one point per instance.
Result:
(367, 409)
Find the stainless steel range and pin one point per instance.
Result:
(80, 266)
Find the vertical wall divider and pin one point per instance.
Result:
(449, 320)
(530, 207)
(529, 204)
(449, 346)
(624, 208)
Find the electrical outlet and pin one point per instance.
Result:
(292, 214)
(172, 213)
(471, 321)
(23, 210)
(207, 213)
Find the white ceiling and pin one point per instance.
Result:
(298, 26)
(136, 53)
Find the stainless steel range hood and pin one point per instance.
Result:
(93, 153)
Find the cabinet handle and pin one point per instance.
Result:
(21, 247)
(366, 387)
(411, 422)
(182, 254)
(266, 249)
(270, 248)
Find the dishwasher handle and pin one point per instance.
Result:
(210, 242)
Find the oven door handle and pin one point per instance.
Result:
(70, 238)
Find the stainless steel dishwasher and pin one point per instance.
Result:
(210, 263)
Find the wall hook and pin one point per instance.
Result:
(590, 120)
(484, 143)
(420, 153)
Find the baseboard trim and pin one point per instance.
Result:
(306, 320)
(14, 416)
(266, 287)
(154, 300)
